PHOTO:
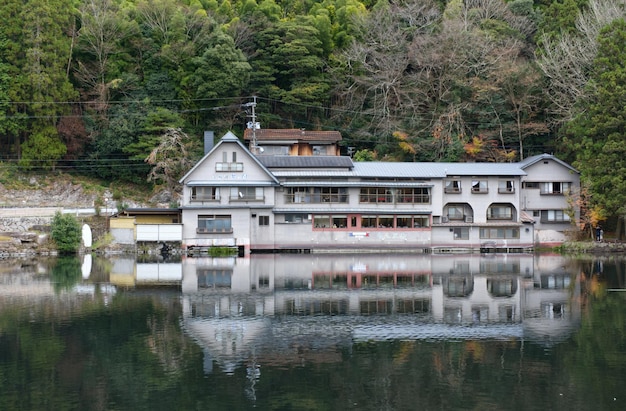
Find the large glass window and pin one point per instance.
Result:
(296, 218)
(460, 233)
(368, 221)
(418, 195)
(246, 193)
(205, 193)
(500, 212)
(339, 221)
(409, 221)
(375, 221)
(375, 195)
(455, 212)
(214, 223)
(556, 187)
(308, 195)
(554, 216)
(499, 233)
(321, 221)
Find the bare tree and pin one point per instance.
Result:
(103, 27)
(567, 61)
(170, 159)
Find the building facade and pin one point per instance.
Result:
(235, 198)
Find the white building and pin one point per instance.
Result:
(232, 197)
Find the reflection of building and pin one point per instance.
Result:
(551, 301)
(127, 272)
(237, 306)
(261, 202)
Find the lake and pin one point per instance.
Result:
(313, 332)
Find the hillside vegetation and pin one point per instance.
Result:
(123, 90)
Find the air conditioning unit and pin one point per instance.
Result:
(445, 219)
(469, 219)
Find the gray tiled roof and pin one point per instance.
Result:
(384, 170)
(273, 162)
(435, 170)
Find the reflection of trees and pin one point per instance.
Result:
(597, 362)
(129, 353)
(66, 273)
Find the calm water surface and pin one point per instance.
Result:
(313, 332)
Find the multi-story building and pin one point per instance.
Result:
(257, 202)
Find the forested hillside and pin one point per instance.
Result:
(100, 86)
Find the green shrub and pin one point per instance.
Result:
(66, 233)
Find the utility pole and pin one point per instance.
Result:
(253, 124)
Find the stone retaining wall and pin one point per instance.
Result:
(24, 224)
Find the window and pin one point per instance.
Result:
(385, 221)
(506, 187)
(375, 195)
(320, 150)
(455, 211)
(368, 221)
(205, 193)
(274, 150)
(453, 186)
(417, 221)
(500, 212)
(308, 195)
(479, 186)
(381, 221)
(208, 278)
(340, 221)
(321, 221)
(226, 166)
(264, 220)
(460, 233)
(419, 195)
(554, 216)
(499, 233)
(556, 188)
(214, 224)
(530, 184)
(296, 218)
(246, 193)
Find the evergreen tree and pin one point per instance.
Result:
(596, 136)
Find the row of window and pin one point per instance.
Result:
(479, 186)
(217, 223)
(358, 221)
(462, 233)
(234, 193)
(367, 195)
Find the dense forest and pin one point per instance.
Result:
(124, 89)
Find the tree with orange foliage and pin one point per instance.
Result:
(590, 215)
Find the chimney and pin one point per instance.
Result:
(208, 141)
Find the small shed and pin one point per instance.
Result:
(146, 224)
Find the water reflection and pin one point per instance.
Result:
(240, 307)
(336, 331)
